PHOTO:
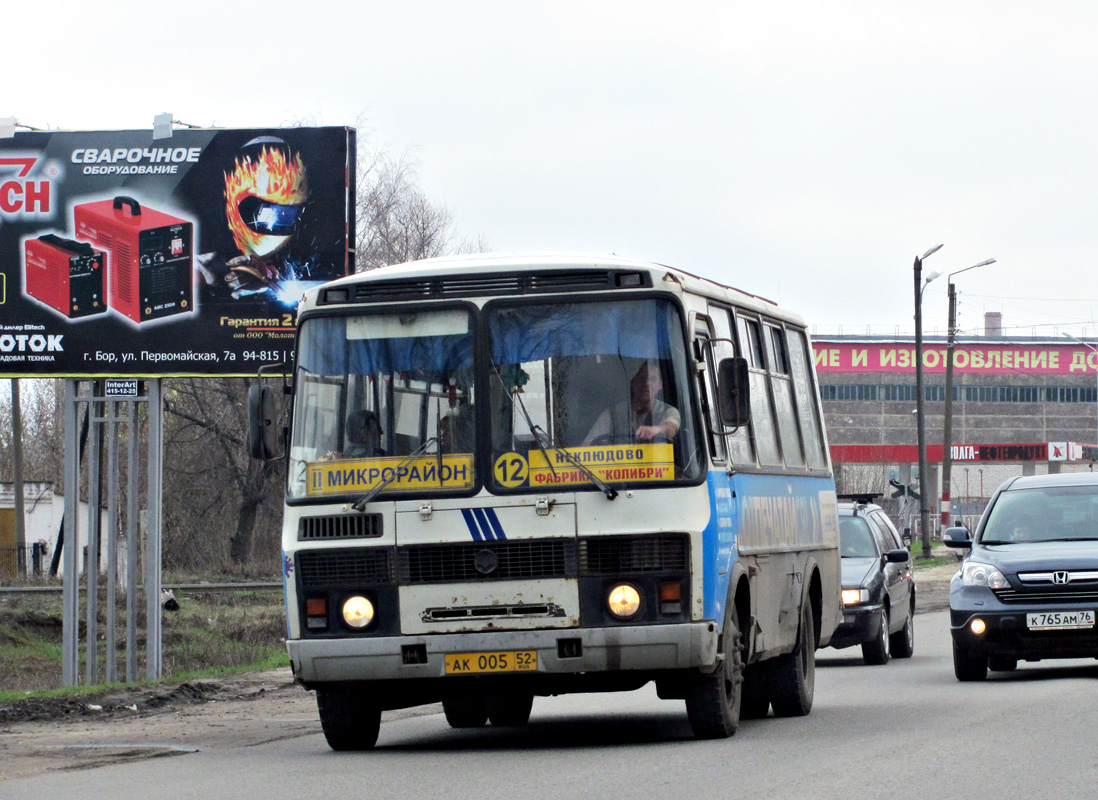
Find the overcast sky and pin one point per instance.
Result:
(800, 150)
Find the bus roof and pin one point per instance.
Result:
(486, 263)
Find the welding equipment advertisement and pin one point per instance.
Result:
(121, 254)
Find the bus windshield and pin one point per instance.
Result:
(601, 383)
(384, 399)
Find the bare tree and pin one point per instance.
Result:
(43, 449)
(217, 488)
(395, 220)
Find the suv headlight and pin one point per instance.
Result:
(975, 573)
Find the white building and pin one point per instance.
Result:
(44, 511)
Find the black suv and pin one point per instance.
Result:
(1028, 588)
(878, 588)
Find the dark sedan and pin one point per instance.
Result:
(878, 589)
(1028, 588)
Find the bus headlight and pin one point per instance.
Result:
(624, 601)
(358, 612)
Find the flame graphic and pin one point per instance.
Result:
(273, 177)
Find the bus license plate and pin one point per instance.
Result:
(502, 661)
(1060, 620)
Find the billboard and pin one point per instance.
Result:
(1003, 358)
(121, 254)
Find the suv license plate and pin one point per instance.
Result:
(1060, 620)
(500, 661)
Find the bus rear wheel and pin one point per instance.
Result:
(713, 701)
(756, 694)
(349, 720)
(792, 677)
(508, 710)
(465, 712)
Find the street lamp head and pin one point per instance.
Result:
(983, 263)
(931, 276)
(930, 252)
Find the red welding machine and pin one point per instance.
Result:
(151, 270)
(65, 275)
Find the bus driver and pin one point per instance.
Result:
(645, 418)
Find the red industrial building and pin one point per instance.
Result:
(1021, 405)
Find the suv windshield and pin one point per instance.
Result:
(1054, 513)
(384, 399)
(605, 380)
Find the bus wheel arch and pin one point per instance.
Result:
(791, 677)
(815, 598)
(755, 700)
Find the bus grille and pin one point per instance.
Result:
(360, 526)
(477, 561)
(504, 283)
(324, 568)
(613, 555)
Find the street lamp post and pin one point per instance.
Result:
(924, 510)
(1093, 349)
(947, 437)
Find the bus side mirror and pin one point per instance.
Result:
(733, 392)
(262, 431)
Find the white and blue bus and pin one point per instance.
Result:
(512, 477)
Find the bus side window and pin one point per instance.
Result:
(808, 410)
(707, 390)
(763, 421)
(782, 384)
(739, 443)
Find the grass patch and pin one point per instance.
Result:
(934, 561)
(211, 634)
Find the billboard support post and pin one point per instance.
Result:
(113, 406)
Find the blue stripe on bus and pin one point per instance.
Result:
(482, 522)
(493, 521)
(471, 523)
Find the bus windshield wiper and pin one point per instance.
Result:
(360, 503)
(606, 489)
(541, 439)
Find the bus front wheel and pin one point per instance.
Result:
(349, 720)
(713, 701)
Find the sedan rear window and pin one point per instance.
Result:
(855, 538)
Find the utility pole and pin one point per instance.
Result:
(17, 448)
(920, 425)
(947, 437)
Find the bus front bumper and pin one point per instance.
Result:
(559, 652)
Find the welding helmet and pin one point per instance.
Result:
(265, 195)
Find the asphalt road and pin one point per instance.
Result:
(907, 729)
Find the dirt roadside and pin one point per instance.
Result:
(132, 723)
